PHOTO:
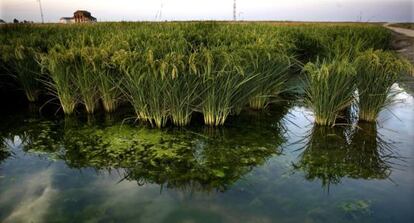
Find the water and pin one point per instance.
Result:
(272, 166)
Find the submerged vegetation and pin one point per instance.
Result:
(168, 71)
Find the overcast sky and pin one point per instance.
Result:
(138, 10)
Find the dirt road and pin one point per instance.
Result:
(407, 32)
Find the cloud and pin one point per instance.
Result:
(33, 197)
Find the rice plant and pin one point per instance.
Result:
(145, 87)
(168, 71)
(271, 70)
(330, 89)
(21, 63)
(377, 71)
(183, 90)
(108, 79)
(108, 85)
(84, 77)
(222, 81)
(59, 80)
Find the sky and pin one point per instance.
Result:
(150, 10)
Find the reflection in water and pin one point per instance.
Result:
(331, 154)
(192, 159)
(34, 195)
(84, 169)
(4, 152)
(187, 160)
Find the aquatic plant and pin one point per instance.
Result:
(59, 81)
(271, 68)
(330, 89)
(84, 78)
(146, 86)
(167, 71)
(223, 79)
(377, 71)
(183, 87)
(108, 81)
(20, 62)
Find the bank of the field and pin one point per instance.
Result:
(404, 46)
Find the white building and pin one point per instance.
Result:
(67, 20)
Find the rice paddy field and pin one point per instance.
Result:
(204, 122)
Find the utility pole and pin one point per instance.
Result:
(162, 6)
(41, 11)
(158, 16)
(234, 11)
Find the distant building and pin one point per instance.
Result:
(67, 20)
(80, 16)
(83, 16)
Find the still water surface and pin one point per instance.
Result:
(272, 166)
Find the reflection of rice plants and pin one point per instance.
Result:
(178, 159)
(332, 153)
(377, 72)
(4, 150)
(330, 89)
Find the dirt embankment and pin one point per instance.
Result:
(404, 45)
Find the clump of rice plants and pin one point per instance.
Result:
(84, 77)
(330, 89)
(59, 80)
(146, 86)
(271, 70)
(167, 71)
(377, 71)
(108, 79)
(222, 81)
(183, 87)
(21, 63)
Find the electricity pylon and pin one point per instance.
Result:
(41, 11)
(234, 11)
